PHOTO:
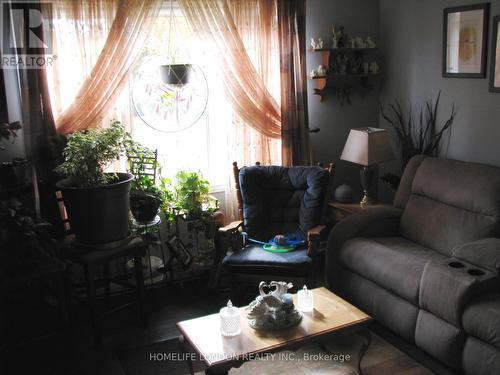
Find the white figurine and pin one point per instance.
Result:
(352, 42)
(370, 43)
(360, 43)
(314, 45)
(374, 68)
(335, 37)
(320, 43)
(313, 73)
(321, 70)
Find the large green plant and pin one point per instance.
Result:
(192, 194)
(89, 152)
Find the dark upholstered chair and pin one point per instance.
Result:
(428, 268)
(276, 200)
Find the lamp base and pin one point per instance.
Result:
(366, 200)
(366, 175)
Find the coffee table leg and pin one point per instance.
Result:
(184, 350)
(368, 339)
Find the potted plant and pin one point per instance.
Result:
(192, 195)
(97, 202)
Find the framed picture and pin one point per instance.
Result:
(465, 32)
(495, 58)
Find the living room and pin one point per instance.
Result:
(249, 186)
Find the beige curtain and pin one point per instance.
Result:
(98, 42)
(244, 35)
(245, 87)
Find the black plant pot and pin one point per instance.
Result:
(175, 74)
(144, 207)
(98, 215)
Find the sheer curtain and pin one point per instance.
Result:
(96, 43)
(244, 34)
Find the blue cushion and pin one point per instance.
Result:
(278, 200)
(255, 260)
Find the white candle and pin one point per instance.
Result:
(230, 320)
(305, 300)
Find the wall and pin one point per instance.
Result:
(411, 32)
(359, 17)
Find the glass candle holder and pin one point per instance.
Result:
(230, 320)
(305, 300)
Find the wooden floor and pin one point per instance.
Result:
(75, 355)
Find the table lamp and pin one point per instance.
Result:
(367, 147)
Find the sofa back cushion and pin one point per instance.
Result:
(451, 203)
(278, 200)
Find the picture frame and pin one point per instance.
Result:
(495, 57)
(465, 38)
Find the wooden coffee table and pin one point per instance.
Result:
(202, 337)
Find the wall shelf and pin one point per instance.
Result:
(342, 84)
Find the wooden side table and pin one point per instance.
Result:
(340, 211)
(91, 258)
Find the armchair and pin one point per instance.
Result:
(274, 200)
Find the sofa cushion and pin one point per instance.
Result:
(451, 203)
(394, 263)
(255, 260)
(482, 319)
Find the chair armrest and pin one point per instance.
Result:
(314, 237)
(316, 233)
(229, 237)
(231, 227)
(484, 253)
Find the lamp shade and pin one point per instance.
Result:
(367, 146)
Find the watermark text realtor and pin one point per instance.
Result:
(26, 40)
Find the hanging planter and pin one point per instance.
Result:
(175, 74)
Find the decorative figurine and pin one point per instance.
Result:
(273, 310)
(366, 68)
(356, 66)
(360, 43)
(342, 62)
(338, 37)
(374, 68)
(313, 73)
(352, 43)
(370, 43)
(321, 70)
(314, 44)
(317, 44)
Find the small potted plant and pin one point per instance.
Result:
(97, 202)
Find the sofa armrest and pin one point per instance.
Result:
(483, 253)
(370, 222)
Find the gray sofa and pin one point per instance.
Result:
(428, 267)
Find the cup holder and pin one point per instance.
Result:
(457, 265)
(475, 272)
